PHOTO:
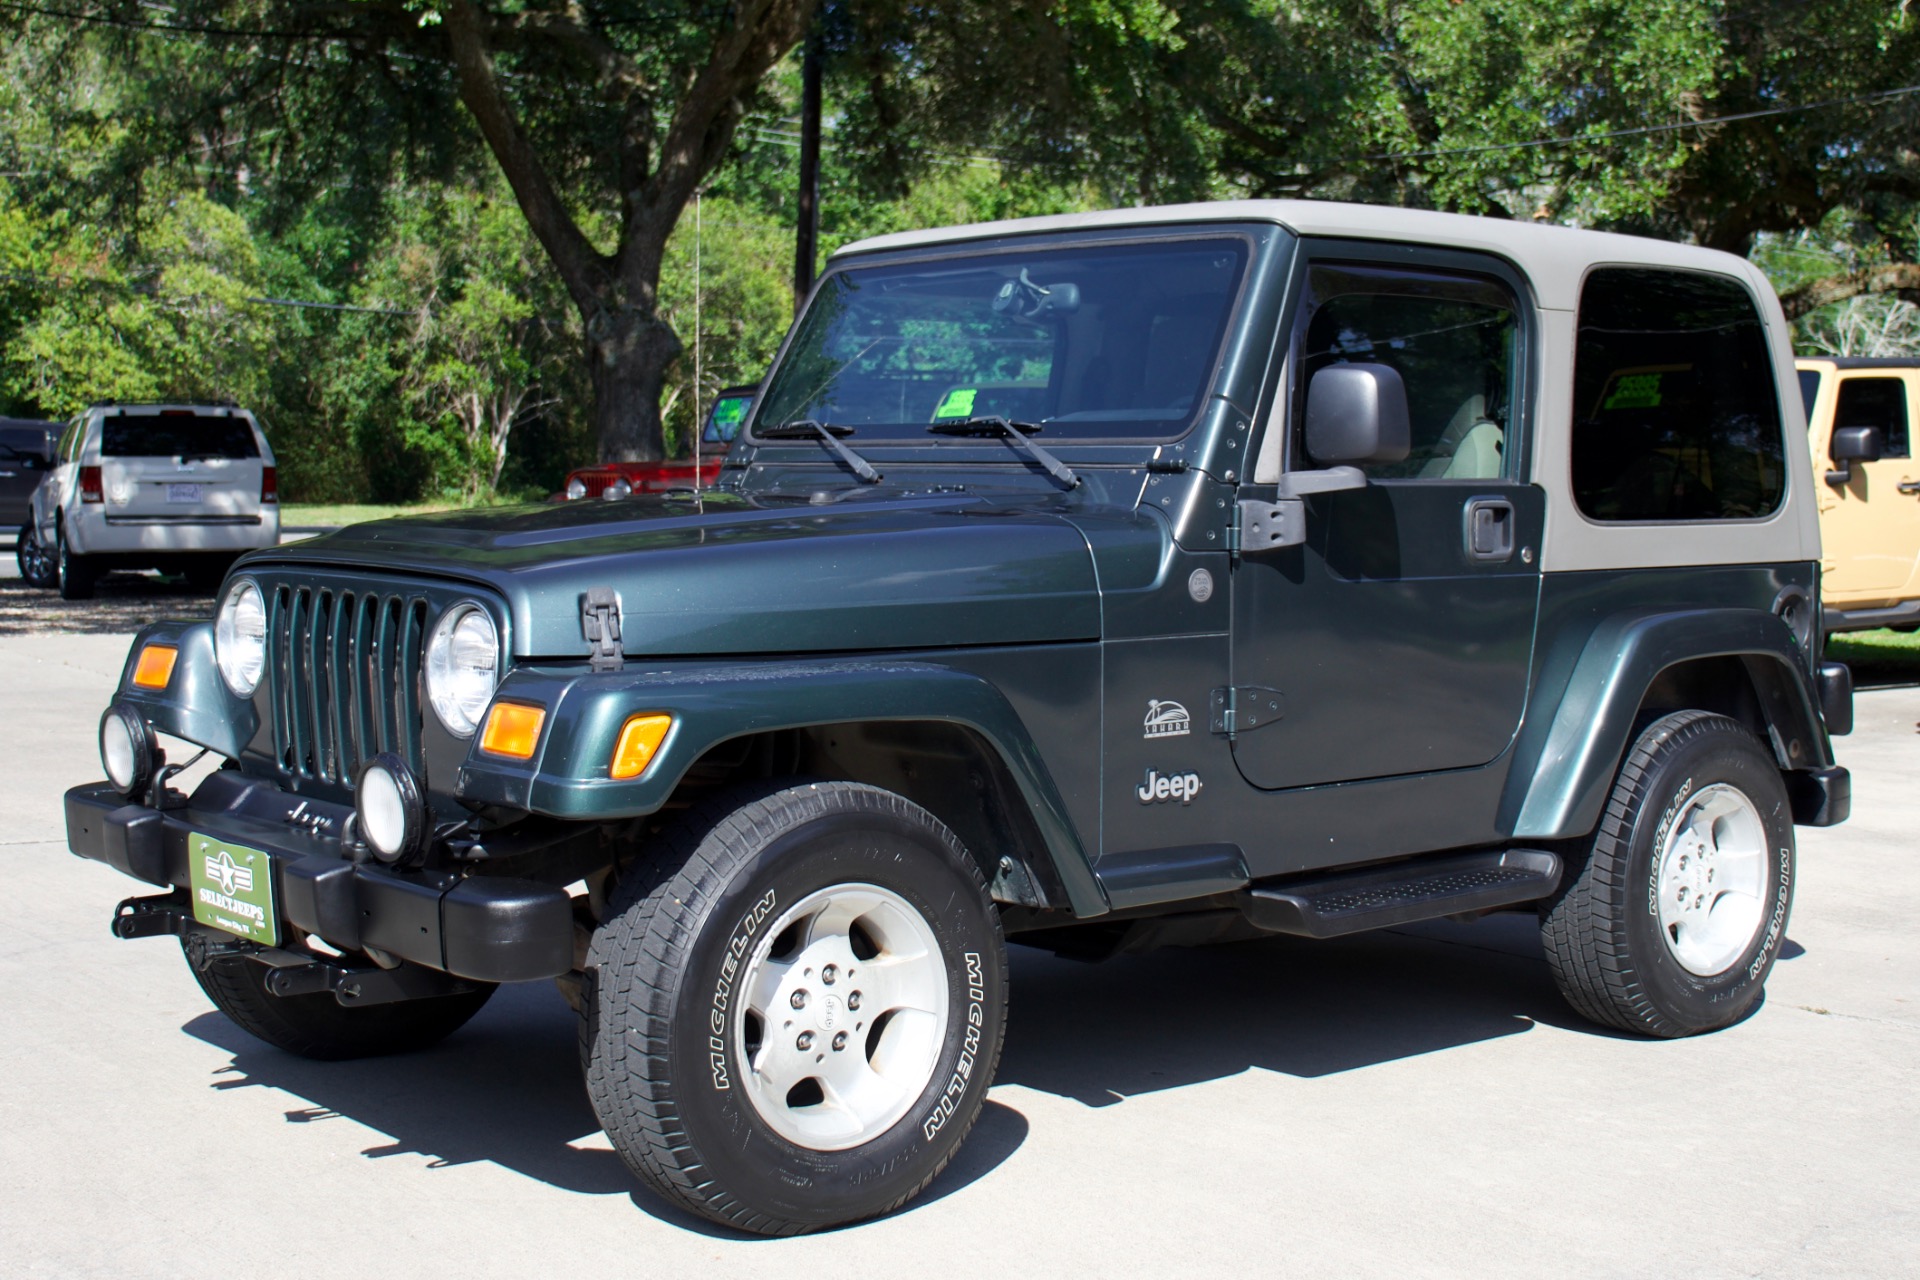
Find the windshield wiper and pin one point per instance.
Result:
(995, 425)
(828, 434)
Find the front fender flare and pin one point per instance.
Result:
(1563, 770)
(196, 705)
(568, 776)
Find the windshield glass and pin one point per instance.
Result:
(1095, 341)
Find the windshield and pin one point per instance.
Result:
(1095, 341)
(1809, 388)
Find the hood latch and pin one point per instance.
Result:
(600, 620)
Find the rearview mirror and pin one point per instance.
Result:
(1850, 445)
(1357, 413)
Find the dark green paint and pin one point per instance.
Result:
(195, 706)
(712, 703)
(1426, 700)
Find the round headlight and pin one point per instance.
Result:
(240, 638)
(389, 809)
(127, 749)
(463, 666)
(617, 489)
(576, 488)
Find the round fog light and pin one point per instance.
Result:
(127, 749)
(391, 812)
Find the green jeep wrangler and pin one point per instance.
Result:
(1161, 576)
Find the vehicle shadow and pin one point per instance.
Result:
(1138, 1024)
(507, 1087)
(123, 602)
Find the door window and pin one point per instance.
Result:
(1454, 340)
(1876, 402)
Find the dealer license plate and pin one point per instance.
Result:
(232, 889)
(183, 493)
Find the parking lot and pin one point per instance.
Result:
(1413, 1102)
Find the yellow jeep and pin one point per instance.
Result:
(1860, 427)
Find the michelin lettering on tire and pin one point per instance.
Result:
(723, 988)
(969, 1049)
(1777, 925)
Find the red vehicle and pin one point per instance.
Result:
(618, 479)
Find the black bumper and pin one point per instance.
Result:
(1820, 797)
(490, 929)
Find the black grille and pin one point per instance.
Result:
(344, 668)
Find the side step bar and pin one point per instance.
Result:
(1425, 889)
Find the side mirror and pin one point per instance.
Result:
(1850, 445)
(1357, 413)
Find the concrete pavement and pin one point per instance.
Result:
(1417, 1102)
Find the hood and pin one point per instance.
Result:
(750, 575)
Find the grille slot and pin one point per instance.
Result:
(345, 672)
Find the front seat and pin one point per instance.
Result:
(1470, 448)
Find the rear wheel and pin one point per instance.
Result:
(37, 565)
(1676, 917)
(75, 574)
(317, 1025)
(793, 1015)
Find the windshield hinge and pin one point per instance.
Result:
(600, 620)
(1244, 708)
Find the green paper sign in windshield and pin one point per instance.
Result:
(958, 404)
(728, 412)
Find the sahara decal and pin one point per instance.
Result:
(1166, 720)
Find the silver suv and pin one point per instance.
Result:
(182, 488)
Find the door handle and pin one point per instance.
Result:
(1489, 529)
(1909, 486)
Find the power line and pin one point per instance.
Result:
(1641, 131)
(98, 20)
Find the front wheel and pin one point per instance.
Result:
(317, 1025)
(37, 567)
(1675, 919)
(795, 1012)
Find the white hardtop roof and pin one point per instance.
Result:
(1555, 258)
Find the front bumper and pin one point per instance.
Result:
(486, 928)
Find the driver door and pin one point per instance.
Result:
(1396, 640)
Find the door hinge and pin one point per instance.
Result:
(1244, 708)
(1265, 526)
(600, 620)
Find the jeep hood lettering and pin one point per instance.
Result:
(750, 576)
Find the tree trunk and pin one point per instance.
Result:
(629, 351)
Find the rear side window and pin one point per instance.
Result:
(176, 435)
(1675, 415)
(1876, 402)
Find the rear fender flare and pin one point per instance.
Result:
(1563, 769)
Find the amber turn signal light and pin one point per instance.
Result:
(513, 729)
(640, 737)
(155, 667)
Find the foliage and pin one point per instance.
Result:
(508, 186)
